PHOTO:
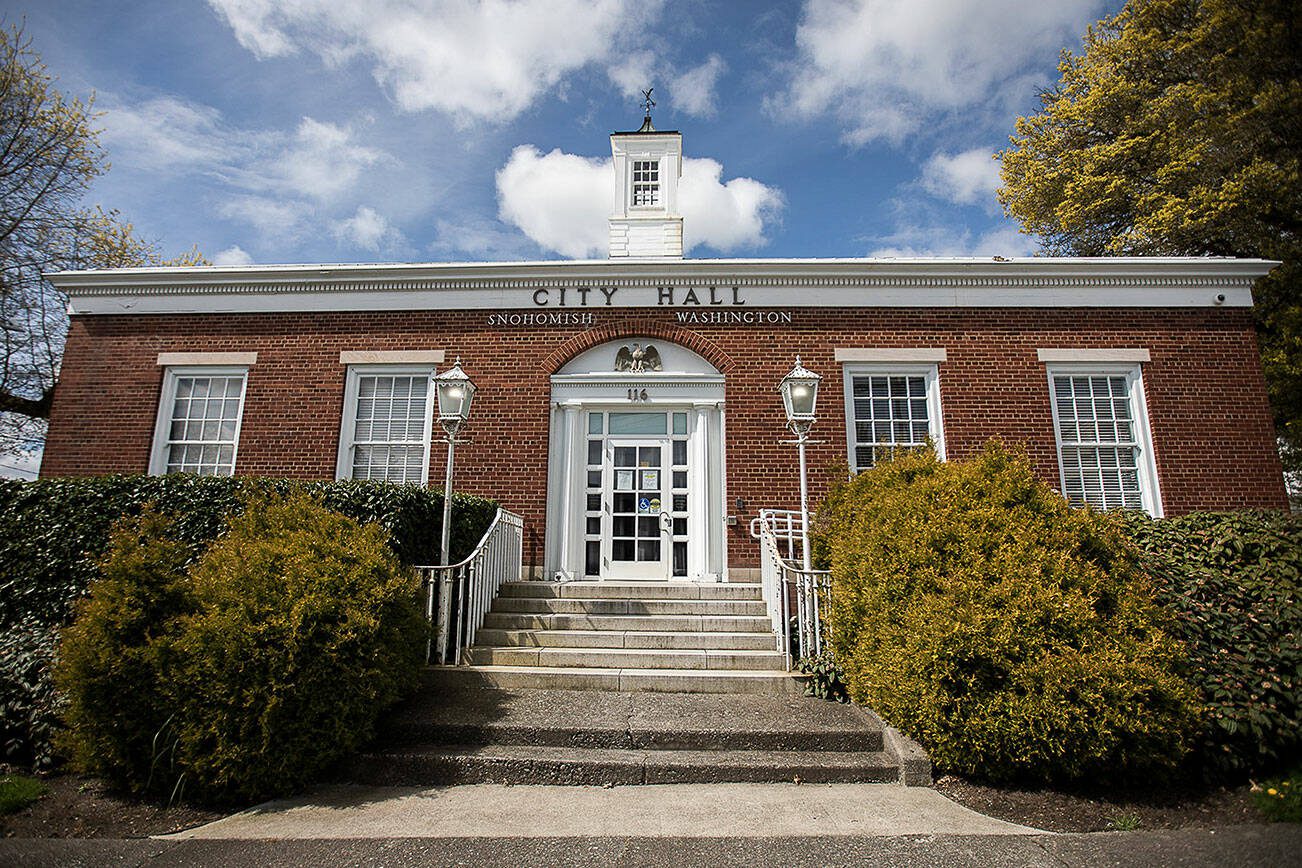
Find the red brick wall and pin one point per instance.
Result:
(1211, 425)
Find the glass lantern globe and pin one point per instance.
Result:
(455, 392)
(800, 394)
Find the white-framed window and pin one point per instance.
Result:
(1100, 420)
(385, 433)
(890, 406)
(646, 183)
(198, 425)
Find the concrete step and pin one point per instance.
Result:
(638, 623)
(533, 764)
(627, 658)
(594, 606)
(764, 641)
(630, 721)
(656, 680)
(634, 590)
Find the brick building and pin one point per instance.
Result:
(628, 407)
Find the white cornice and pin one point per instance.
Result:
(1029, 282)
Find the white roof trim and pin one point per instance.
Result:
(887, 354)
(760, 283)
(1109, 355)
(172, 360)
(391, 357)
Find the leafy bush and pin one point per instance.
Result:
(54, 531)
(1234, 583)
(1008, 633)
(29, 704)
(245, 677)
(114, 662)
(826, 680)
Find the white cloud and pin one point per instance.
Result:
(633, 73)
(472, 59)
(21, 464)
(233, 255)
(912, 241)
(367, 229)
(275, 180)
(562, 202)
(275, 218)
(887, 68)
(323, 160)
(966, 178)
(480, 240)
(693, 91)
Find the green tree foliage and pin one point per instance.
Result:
(1007, 632)
(49, 157)
(1178, 131)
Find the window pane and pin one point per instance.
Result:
(594, 453)
(594, 423)
(680, 453)
(205, 413)
(680, 423)
(887, 411)
(638, 423)
(390, 433)
(1096, 441)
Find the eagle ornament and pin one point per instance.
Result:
(638, 360)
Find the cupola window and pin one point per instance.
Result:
(646, 182)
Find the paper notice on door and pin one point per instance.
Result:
(650, 480)
(623, 480)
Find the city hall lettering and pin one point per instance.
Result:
(665, 296)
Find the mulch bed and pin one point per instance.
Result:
(81, 807)
(1084, 811)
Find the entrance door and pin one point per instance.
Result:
(637, 544)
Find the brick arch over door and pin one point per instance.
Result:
(705, 347)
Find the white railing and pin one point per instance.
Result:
(786, 584)
(462, 593)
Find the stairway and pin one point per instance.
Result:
(583, 737)
(611, 683)
(627, 636)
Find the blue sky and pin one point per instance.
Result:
(427, 130)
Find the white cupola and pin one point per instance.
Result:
(645, 223)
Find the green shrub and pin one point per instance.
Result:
(826, 680)
(1280, 799)
(1234, 583)
(1008, 633)
(18, 791)
(307, 630)
(245, 676)
(53, 532)
(115, 657)
(29, 705)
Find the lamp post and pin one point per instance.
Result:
(455, 391)
(799, 391)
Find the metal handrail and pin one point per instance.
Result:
(477, 580)
(783, 577)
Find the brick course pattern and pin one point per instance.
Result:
(1211, 426)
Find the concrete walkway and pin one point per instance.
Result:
(678, 811)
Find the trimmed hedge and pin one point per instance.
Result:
(1234, 583)
(247, 674)
(54, 531)
(1010, 634)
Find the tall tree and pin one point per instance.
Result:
(49, 157)
(1178, 131)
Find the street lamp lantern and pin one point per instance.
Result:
(800, 397)
(455, 392)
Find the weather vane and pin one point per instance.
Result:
(648, 103)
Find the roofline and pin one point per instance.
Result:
(965, 269)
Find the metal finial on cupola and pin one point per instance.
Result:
(647, 104)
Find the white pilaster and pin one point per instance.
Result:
(570, 543)
(698, 496)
